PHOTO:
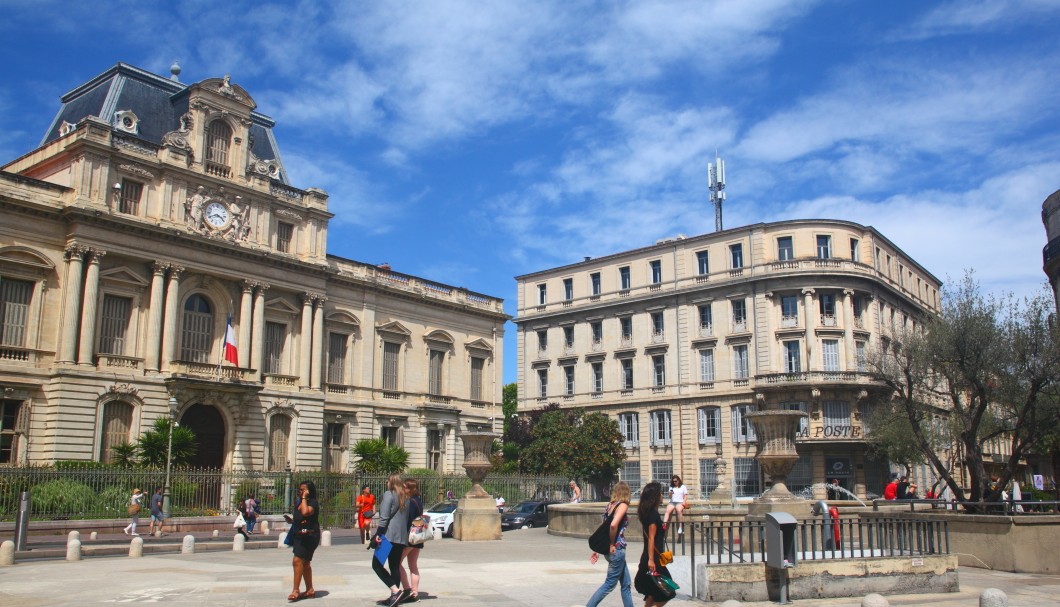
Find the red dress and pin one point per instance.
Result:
(364, 504)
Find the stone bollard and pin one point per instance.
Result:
(7, 553)
(73, 550)
(264, 527)
(325, 538)
(731, 603)
(73, 535)
(874, 600)
(136, 548)
(216, 533)
(188, 546)
(92, 536)
(280, 541)
(992, 597)
(239, 543)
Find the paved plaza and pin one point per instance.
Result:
(525, 568)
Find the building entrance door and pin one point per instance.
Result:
(209, 427)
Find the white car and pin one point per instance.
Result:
(441, 515)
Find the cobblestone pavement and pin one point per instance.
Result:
(525, 568)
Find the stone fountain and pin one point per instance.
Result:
(477, 517)
(776, 455)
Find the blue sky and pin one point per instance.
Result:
(470, 142)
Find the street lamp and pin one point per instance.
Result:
(166, 506)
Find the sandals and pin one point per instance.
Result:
(309, 594)
(297, 596)
(294, 596)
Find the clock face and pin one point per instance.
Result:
(216, 214)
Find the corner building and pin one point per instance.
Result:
(678, 341)
(156, 215)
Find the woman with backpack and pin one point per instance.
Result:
(617, 570)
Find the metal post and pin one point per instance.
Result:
(22, 521)
(167, 506)
(289, 491)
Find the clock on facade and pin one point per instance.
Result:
(216, 215)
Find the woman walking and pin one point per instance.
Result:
(617, 571)
(410, 582)
(134, 512)
(394, 526)
(305, 530)
(365, 512)
(651, 522)
(678, 502)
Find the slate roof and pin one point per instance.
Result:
(158, 103)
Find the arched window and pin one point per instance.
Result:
(117, 420)
(197, 337)
(279, 438)
(218, 139)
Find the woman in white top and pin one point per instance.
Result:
(134, 512)
(575, 493)
(678, 502)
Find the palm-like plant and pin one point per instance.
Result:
(377, 457)
(152, 445)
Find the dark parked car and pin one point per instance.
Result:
(526, 515)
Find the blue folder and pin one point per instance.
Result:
(383, 550)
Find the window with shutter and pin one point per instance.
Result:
(117, 421)
(830, 352)
(391, 352)
(338, 343)
(197, 334)
(275, 336)
(437, 362)
(115, 324)
(279, 437)
(709, 425)
(14, 309)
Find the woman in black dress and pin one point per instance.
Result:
(305, 530)
(654, 543)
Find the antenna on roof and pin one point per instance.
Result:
(716, 177)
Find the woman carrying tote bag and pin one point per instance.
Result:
(617, 571)
(393, 530)
(654, 541)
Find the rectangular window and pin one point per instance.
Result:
(789, 311)
(736, 256)
(824, 247)
(656, 272)
(389, 434)
(12, 415)
(542, 294)
(279, 437)
(623, 278)
(594, 283)
(709, 425)
(706, 319)
(630, 429)
(746, 477)
(836, 413)
(14, 311)
(338, 343)
(116, 312)
(596, 328)
(568, 336)
(804, 423)
(785, 249)
(627, 373)
(855, 250)
(739, 362)
(792, 357)
(478, 365)
(662, 470)
(284, 236)
(568, 289)
(542, 340)
(129, 199)
(435, 449)
(275, 337)
(657, 325)
(658, 365)
(542, 383)
(630, 473)
(828, 304)
(660, 428)
(335, 435)
(434, 379)
(598, 377)
(706, 365)
(703, 262)
(391, 354)
(859, 349)
(742, 429)
(627, 328)
(708, 477)
(739, 315)
(830, 353)
(568, 380)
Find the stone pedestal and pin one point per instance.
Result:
(776, 454)
(722, 494)
(476, 517)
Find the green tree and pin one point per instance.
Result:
(568, 442)
(984, 369)
(153, 444)
(125, 455)
(377, 457)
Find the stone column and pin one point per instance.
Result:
(318, 342)
(848, 330)
(811, 322)
(169, 330)
(154, 315)
(88, 308)
(305, 357)
(246, 307)
(258, 329)
(71, 305)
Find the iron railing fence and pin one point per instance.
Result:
(93, 491)
(1007, 507)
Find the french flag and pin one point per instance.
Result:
(231, 355)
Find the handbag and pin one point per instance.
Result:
(600, 540)
(419, 532)
(368, 514)
(667, 588)
(665, 557)
(134, 508)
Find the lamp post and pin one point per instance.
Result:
(166, 505)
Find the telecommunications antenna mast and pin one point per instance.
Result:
(716, 175)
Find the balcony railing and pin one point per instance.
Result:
(597, 345)
(627, 340)
(276, 379)
(18, 355)
(739, 326)
(658, 337)
(788, 322)
(828, 320)
(810, 377)
(212, 371)
(115, 361)
(859, 322)
(706, 330)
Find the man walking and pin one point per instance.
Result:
(156, 512)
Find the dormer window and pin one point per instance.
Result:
(129, 196)
(218, 140)
(284, 234)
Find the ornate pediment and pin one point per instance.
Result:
(123, 275)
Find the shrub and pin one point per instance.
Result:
(63, 498)
(114, 501)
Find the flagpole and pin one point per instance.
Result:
(224, 339)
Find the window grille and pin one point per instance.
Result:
(338, 343)
(662, 470)
(218, 138)
(275, 336)
(117, 421)
(115, 324)
(129, 197)
(279, 435)
(284, 236)
(836, 413)
(437, 361)
(630, 473)
(391, 352)
(14, 310)
(197, 335)
(477, 366)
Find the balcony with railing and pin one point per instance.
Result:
(388, 279)
(739, 326)
(208, 371)
(828, 320)
(658, 337)
(281, 381)
(706, 330)
(24, 356)
(767, 380)
(115, 361)
(597, 345)
(789, 321)
(626, 341)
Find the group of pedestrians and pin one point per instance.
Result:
(399, 507)
(154, 507)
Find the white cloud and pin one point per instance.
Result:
(966, 16)
(354, 198)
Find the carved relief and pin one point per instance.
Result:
(136, 170)
(122, 389)
(214, 216)
(66, 128)
(289, 214)
(179, 139)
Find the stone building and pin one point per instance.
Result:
(1051, 251)
(678, 341)
(156, 217)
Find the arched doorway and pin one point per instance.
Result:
(209, 427)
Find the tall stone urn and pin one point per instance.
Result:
(476, 517)
(776, 454)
